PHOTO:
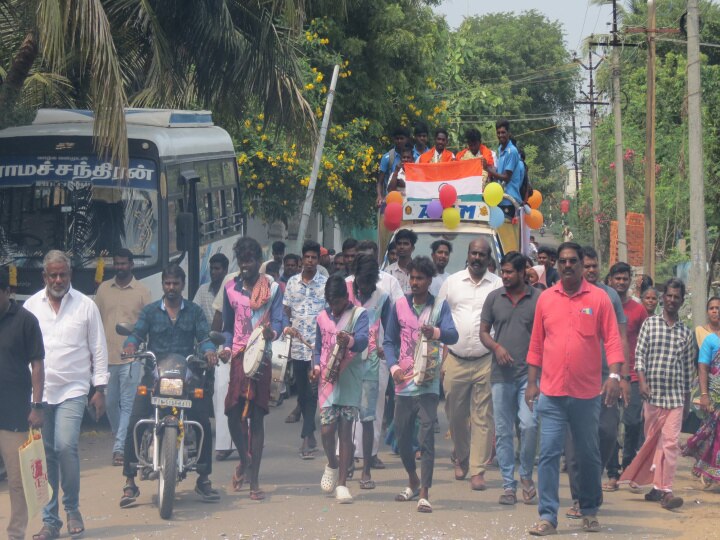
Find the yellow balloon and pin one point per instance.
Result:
(493, 194)
(451, 217)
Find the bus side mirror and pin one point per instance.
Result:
(184, 231)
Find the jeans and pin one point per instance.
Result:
(124, 379)
(582, 416)
(61, 435)
(633, 420)
(509, 405)
(407, 409)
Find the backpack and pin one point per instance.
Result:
(526, 189)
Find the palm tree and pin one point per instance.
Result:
(220, 54)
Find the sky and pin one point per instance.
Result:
(579, 18)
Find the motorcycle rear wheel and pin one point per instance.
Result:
(168, 472)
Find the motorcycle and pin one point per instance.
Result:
(173, 446)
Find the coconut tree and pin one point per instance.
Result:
(221, 54)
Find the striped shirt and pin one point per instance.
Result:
(665, 355)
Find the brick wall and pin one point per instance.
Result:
(635, 227)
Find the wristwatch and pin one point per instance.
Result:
(100, 389)
(615, 376)
(628, 378)
(36, 405)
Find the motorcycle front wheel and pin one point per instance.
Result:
(168, 471)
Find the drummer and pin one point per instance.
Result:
(345, 325)
(412, 315)
(250, 300)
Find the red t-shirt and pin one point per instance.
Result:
(567, 339)
(636, 315)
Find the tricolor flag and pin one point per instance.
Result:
(423, 180)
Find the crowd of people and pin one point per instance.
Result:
(535, 362)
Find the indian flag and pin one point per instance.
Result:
(423, 180)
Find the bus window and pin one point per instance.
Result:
(215, 173)
(175, 206)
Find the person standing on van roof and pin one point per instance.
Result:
(390, 160)
(405, 241)
(475, 149)
(439, 153)
(510, 169)
(421, 139)
(397, 179)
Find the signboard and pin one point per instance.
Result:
(469, 211)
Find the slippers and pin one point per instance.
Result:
(367, 484)
(75, 525)
(542, 528)
(308, 453)
(407, 494)
(529, 494)
(47, 533)
(118, 459)
(610, 486)
(257, 495)
(590, 524)
(342, 495)
(574, 512)
(237, 481)
(130, 495)
(424, 506)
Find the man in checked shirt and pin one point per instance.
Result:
(664, 364)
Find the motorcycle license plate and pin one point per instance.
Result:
(171, 402)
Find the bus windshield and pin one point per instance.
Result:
(80, 205)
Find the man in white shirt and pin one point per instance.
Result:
(405, 241)
(468, 364)
(440, 252)
(204, 298)
(75, 354)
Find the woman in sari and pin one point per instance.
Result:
(704, 446)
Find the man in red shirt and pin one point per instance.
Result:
(573, 319)
(620, 280)
(438, 153)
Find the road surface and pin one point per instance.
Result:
(297, 509)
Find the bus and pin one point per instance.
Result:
(179, 200)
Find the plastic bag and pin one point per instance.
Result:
(33, 470)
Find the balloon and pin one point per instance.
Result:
(493, 194)
(394, 197)
(435, 209)
(393, 216)
(448, 195)
(451, 217)
(564, 206)
(534, 219)
(535, 200)
(497, 217)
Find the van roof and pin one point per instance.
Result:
(176, 133)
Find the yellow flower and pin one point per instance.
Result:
(247, 123)
(260, 154)
(263, 137)
(319, 78)
(309, 86)
(245, 141)
(261, 186)
(254, 177)
(261, 116)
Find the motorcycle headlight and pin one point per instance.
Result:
(171, 387)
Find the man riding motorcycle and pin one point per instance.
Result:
(172, 325)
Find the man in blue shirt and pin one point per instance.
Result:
(390, 161)
(510, 169)
(172, 325)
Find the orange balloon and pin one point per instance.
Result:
(535, 200)
(394, 197)
(534, 219)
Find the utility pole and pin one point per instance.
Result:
(592, 102)
(575, 156)
(650, 32)
(698, 230)
(619, 164)
(307, 205)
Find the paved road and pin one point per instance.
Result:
(296, 508)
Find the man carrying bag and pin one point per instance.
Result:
(22, 346)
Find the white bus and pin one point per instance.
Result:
(181, 199)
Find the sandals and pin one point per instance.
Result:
(329, 479)
(574, 511)
(75, 525)
(508, 498)
(118, 459)
(407, 494)
(130, 495)
(342, 495)
(529, 493)
(367, 484)
(237, 481)
(611, 485)
(47, 533)
(257, 495)
(542, 528)
(424, 506)
(590, 524)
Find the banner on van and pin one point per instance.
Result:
(423, 180)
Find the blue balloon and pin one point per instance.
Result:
(497, 217)
(434, 209)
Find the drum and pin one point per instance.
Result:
(280, 357)
(425, 364)
(254, 351)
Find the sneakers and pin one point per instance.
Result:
(206, 491)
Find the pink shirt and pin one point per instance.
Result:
(567, 338)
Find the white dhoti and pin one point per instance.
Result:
(223, 441)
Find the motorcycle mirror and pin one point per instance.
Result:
(124, 329)
(217, 338)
